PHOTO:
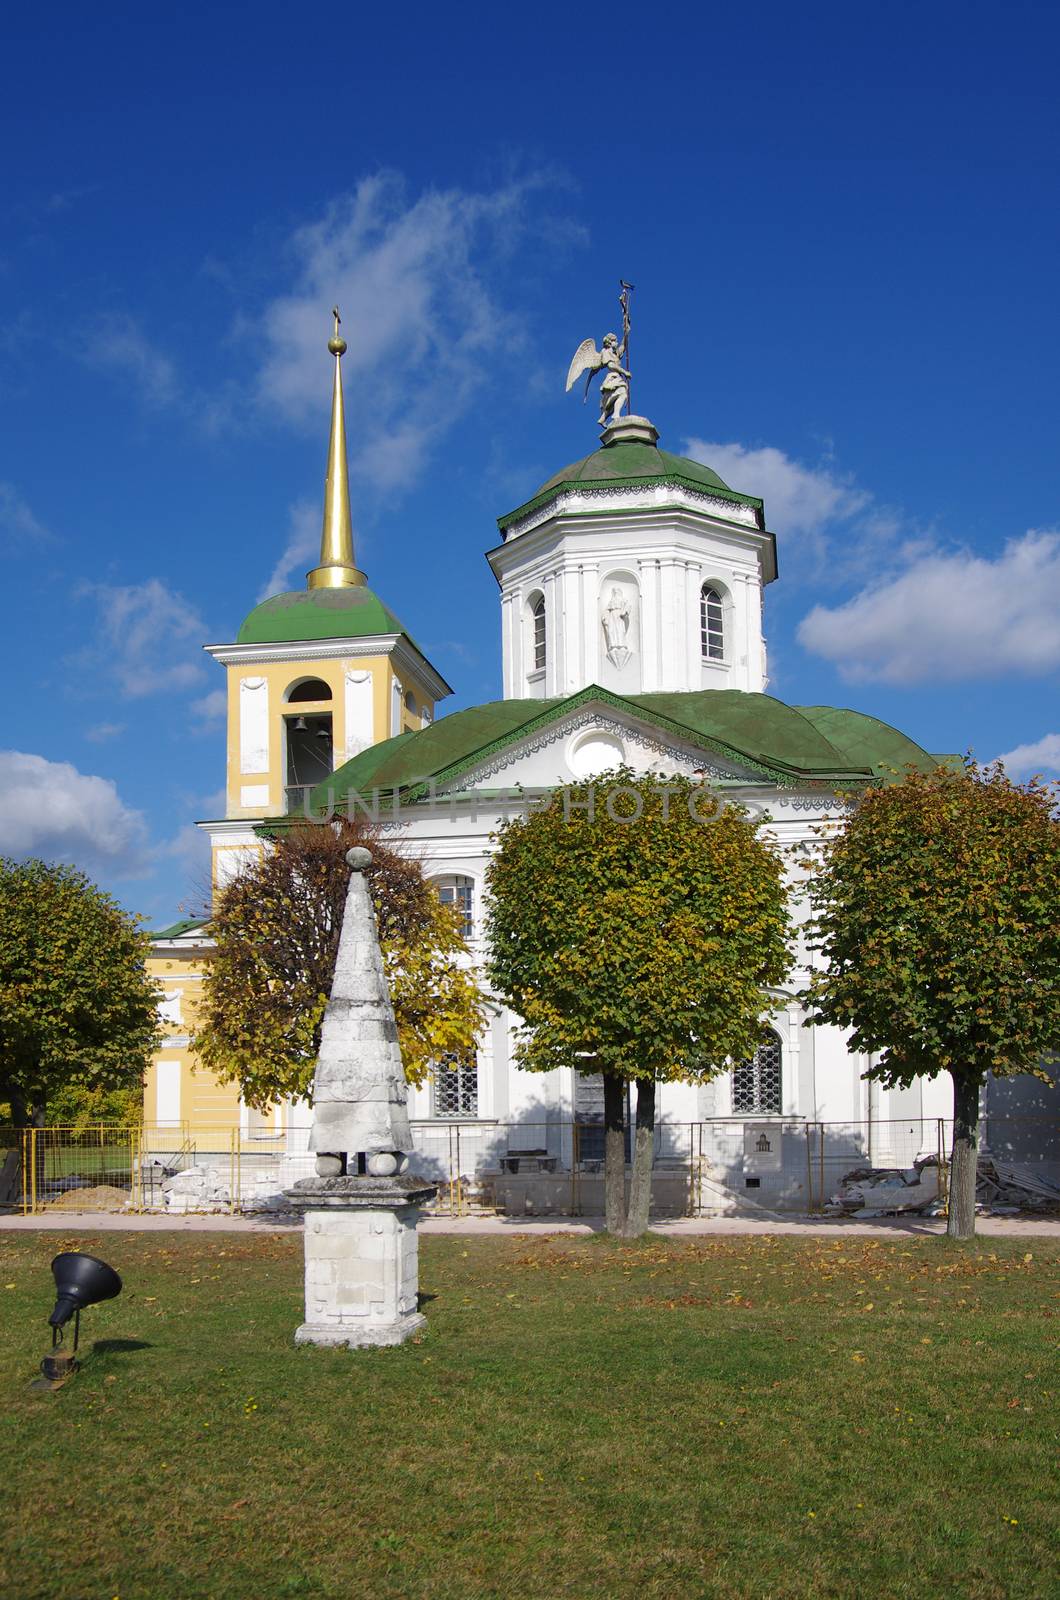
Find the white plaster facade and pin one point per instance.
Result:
(658, 547)
(661, 555)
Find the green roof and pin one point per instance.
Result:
(347, 613)
(178, 928)
(632, 465)
(786, 745)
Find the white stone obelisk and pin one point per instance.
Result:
(361, 1208)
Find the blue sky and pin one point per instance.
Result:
(842, 222)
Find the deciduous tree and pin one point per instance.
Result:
(636, 927)
(937, 912)
(276, 933)
(77, 1008)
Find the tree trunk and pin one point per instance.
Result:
(643, 1159)
(20, 1119)
(614, 1153)
(961, 1220)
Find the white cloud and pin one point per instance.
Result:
(100, 732)
(211, 709)
(798, 499)
(190, 846)
(422, 322)
(150, 638)
(301, 551)
(49, 809)
(118, 344)
(948, 615)
(1027, 759)
(18, 524)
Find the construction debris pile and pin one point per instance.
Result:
(1002, 1189)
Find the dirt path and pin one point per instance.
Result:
(683, 1227)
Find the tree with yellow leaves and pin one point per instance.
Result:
(276, 933)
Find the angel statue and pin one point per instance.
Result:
(614, 390)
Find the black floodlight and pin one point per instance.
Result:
(80, 1281)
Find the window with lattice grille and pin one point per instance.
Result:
(455, 1089)
(711, 624)
(459, 891)
(756, 1084)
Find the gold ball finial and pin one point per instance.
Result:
(337, 344)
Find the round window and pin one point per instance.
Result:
(595, 752)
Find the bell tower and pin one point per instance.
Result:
(314, 676)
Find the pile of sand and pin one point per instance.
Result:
(101, 1198)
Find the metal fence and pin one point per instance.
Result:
(536, 1168)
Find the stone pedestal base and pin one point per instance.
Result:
(361, 1259)
(384, 1333)
(630, 430)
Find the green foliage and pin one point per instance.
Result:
(276, 929)
(75, 1105)
(78, 1012)
(938, 914)
(641, 945)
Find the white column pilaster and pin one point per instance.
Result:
(591, 622)
(648, 574)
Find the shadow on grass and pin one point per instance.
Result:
(119, 1347)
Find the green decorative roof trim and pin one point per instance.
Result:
(788, 746)
(349, 613)
(630, 465)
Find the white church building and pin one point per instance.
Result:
(631, 590)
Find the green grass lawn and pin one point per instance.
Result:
(838, 1417)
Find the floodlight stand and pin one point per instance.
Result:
(59, 1364)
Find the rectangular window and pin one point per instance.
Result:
(460, 892)
(539, 637)
(455, 1090)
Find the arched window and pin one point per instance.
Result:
(711, 624)
(756, 1084)
(410, 702)
(457, 890)
(539, 643)
(309, 689)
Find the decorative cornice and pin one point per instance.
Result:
(567, 521)
(380, 644)
(229, 825)
(744, 512)
(833, 802)
(179, 947)
(670, 480)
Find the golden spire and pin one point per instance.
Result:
(336, 569)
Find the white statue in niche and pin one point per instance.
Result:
(617, 618)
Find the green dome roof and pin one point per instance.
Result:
(633, 460)
(632, 463)
(348, 613)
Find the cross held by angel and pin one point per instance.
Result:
(614, 389)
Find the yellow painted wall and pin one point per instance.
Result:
(280, 678)
(203, 1101)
